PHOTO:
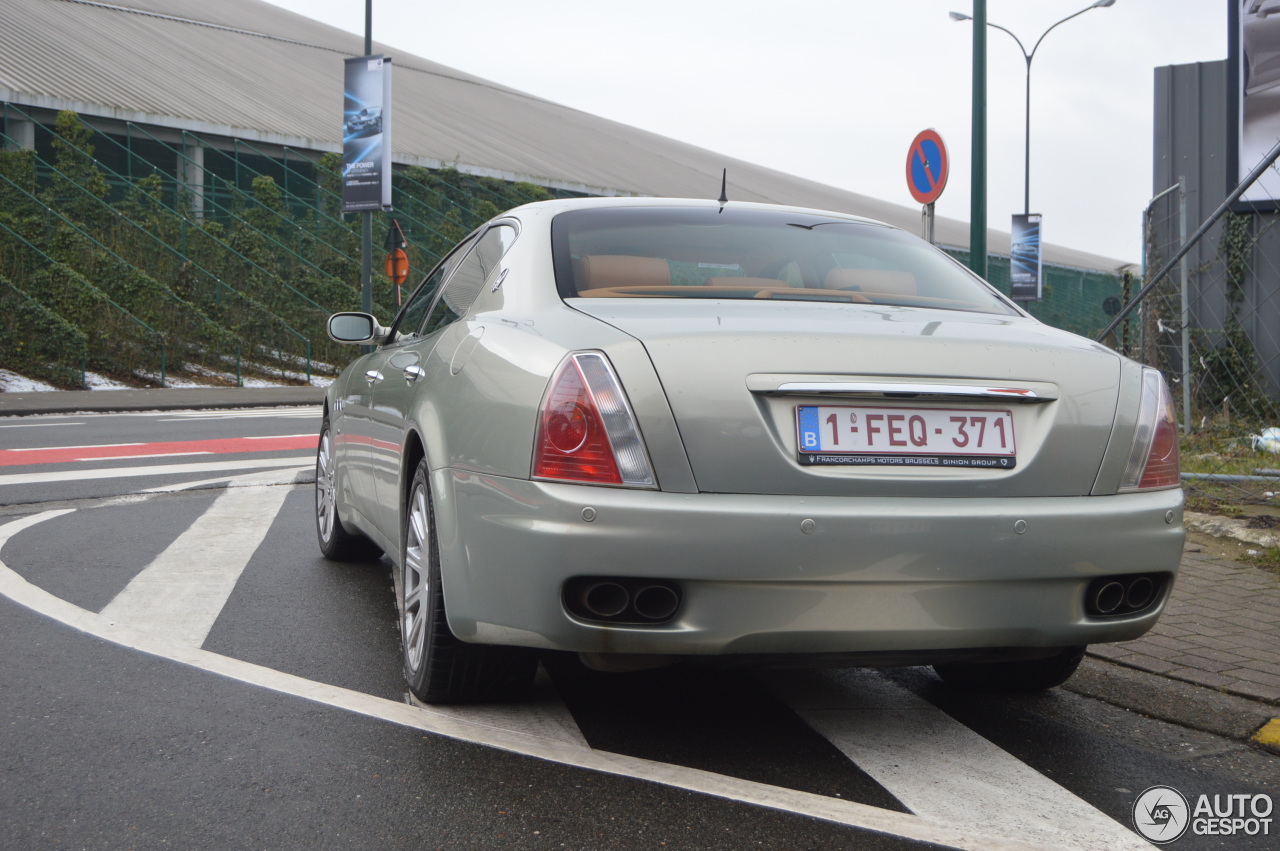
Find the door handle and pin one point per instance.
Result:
(413, 372)
(373, 376)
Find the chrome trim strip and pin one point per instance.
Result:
(884, 388)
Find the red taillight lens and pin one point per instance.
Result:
(586, 431)
(567, 426)
(1162, 462)
(1153, 460)
(572, 443)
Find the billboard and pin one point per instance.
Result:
(1255, 80)
(1025, 269)
(366, 134)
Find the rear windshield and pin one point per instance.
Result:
(683, 252)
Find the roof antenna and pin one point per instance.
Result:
(724, 183)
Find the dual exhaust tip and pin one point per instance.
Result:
(649, 601)
(622, 600)
(1113, 596)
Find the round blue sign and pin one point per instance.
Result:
(927, 167)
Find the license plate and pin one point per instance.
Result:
(909, 437)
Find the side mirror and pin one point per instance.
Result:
(355, 328)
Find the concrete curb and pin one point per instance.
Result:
(161, 399)
(1178, 702)
(1230, 527)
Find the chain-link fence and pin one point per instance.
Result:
(1212, 324)
(231, 256)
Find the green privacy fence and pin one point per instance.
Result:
(254, 259)
(119, 342)
(1075, 300)
(287, 204)
(252, 241)
(208, 324)
(50, 348)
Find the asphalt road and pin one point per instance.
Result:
(180, 668)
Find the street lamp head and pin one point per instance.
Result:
(1102, 4)
(961, 16)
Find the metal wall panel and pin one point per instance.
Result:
(1193, 133)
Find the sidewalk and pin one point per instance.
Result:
(1221, 628)
(166, 399)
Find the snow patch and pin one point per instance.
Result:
(93, 381)
(11, 382)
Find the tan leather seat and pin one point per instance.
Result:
(596, 271)
(744, 283)
(871, 281)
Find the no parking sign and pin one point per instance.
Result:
(927, 167)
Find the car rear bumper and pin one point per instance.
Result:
(807, 575)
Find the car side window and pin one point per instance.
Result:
(478, 269)
(415, 309)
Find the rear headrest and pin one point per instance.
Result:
(871, 281)
(593, 271)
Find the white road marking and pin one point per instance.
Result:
(135, 457)
(940, 769)
(89, 446)
(182, 592)
(39, 425)
(163, 470)
(311, 410)
(284, 476)
(464, 724)
(542, 716)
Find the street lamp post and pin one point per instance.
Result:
(978, 157)
(366, 216)
(960, 16)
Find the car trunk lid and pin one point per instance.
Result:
(749, 382)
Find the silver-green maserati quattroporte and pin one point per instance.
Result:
(648, 430)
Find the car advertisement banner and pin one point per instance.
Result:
(1255, 77)
(366, 134)
(1024, 258)
(1255, 72)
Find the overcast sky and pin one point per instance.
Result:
(835, 90)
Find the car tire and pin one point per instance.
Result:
(1030, 675)
(336, 543)
(439, 667)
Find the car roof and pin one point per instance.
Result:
(561, 205)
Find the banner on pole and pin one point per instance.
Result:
(1025, 269)
(366, 134)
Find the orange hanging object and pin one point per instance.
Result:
(398, 266)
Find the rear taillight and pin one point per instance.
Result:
(586, 431)
(1153, 460)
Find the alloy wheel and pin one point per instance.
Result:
(417, 597)
(326, 507)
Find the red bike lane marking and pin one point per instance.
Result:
(221, 446)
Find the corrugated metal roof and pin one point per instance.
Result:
(249, 69)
